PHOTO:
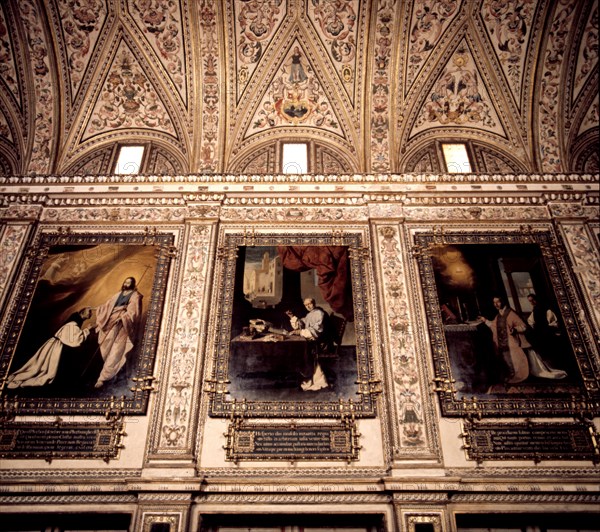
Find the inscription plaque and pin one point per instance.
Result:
(255, 441)
(531, 441)
(61, 440)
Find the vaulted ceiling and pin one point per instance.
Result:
(373, 86)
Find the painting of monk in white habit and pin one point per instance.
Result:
(83, 334)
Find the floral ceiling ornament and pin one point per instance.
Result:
(128, 100)
(256, 22)
(161, 22)
(335, 20)
(456, 98)
(8, 70)
(588, 51)
(429, 20)
(509, 25)
(459, 98)
(82, 21)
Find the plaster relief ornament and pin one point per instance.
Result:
(294, 97)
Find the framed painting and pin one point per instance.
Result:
(292, 338)
(82, 334)
(508, 333)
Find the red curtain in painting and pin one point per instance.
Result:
(333, 270)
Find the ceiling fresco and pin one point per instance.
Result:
(374, 86)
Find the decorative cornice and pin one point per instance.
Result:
(68, 499)
(7, 475)
(572, 498)
(345, 472)
(544, 179)
(292, 498)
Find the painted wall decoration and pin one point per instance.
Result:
(292, 336)
(507, 331)
(295, 96)
(85, 327)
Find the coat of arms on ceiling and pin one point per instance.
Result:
(295, 96)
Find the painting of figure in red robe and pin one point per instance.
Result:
(292, 324)
(83, 331)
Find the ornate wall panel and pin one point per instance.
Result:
(176, 427)
(413, 434)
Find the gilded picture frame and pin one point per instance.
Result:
(282, 372)
(509, 334)
(77, 339)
